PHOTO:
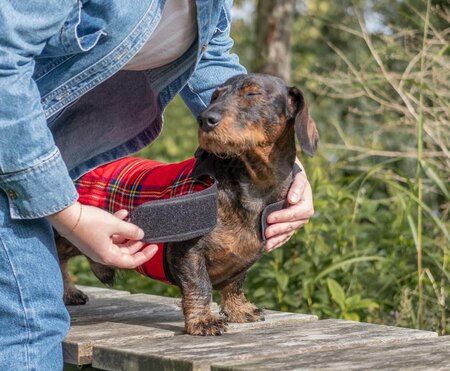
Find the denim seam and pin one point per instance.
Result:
(100, 33)
(27, 324)
(228, 22)
(48, 212)
(48, 160)
(197, 95)
(51, 66)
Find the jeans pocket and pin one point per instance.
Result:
(81, 32)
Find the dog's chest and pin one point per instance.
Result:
(234, 245)
(230, 253)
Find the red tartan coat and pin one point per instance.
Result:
(130, 182)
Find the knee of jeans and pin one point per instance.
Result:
(31, 294)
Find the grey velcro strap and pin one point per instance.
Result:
(178, 219)
(280, 205)
(276, 206)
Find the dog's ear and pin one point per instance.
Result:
(305, 127)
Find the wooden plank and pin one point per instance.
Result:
(127, 310)
(160, 312)
(272, 318)
(426, 354)
(77, 346)
(198, 353)
(112, 317)
(102, 292)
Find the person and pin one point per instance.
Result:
(83, 83)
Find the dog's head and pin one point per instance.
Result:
(255, 110)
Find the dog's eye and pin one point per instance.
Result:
(252, 94)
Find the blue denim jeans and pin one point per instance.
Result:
(33, 318)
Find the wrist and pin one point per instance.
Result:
(66, 220)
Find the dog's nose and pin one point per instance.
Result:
(209, 120)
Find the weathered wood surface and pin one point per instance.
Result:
(424, 354)
(114, 317)
(199, 353)
(117, 330)
(79, 343)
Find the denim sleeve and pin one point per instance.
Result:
(32, 172)
(216, 65)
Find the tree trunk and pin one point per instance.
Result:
(274, 20)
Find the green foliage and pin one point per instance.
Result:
(178, 139)
(370, 93)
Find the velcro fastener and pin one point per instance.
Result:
(178, 219)
(280, 205)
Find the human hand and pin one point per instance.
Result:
(285, 222)
(105, 238)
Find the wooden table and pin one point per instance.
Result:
(120, 331)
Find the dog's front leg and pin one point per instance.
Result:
(235, 306)
(72, 296)
(197, 292)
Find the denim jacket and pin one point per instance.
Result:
(65, 106)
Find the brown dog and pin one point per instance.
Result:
(248, 132)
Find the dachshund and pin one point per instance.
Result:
(247, 136)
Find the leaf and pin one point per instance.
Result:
(291, 300)
(259, 292)
(351, 301)
(366, 303)
(282, 280)
(337, 292)
(344, 263)
(352, 316)
(433, 176)
(355, 302)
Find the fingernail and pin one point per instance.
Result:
(140, 235)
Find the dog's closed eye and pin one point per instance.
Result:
(252, 94)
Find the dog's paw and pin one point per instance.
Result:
(207, 326)
(75, 297)
(244, 314)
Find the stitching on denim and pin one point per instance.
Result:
(51, 66)
(48, 212)
(77, 38)
(27, 342)
(51, 158)
(226, 18)
(197, 95)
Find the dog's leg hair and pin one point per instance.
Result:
(235, 306)
(72, 296)
(197, 293)
(105, 274)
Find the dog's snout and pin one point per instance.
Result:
(209, 120)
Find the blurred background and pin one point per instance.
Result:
(376, 75)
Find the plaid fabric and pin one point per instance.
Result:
(129, 182)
